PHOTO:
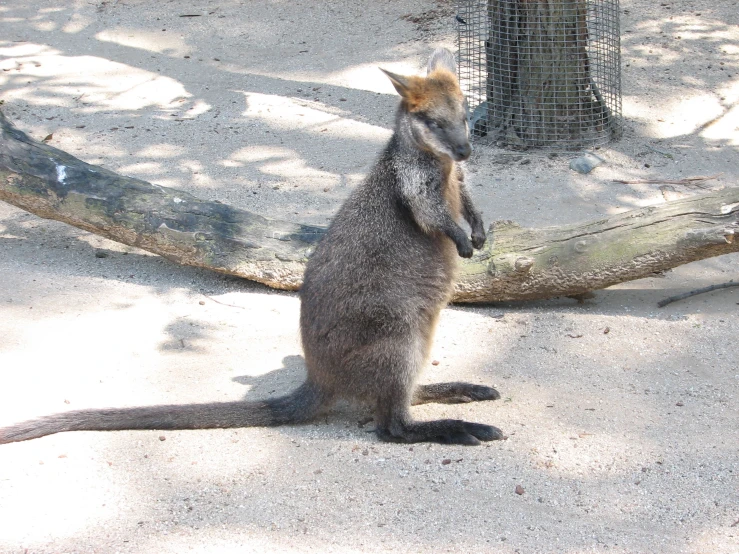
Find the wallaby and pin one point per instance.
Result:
(372, 291)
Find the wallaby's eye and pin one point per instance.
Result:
(429, 122)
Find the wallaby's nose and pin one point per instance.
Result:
(463, 151)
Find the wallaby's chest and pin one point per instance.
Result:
(450, 187)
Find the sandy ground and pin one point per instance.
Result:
(622, 417)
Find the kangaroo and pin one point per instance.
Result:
(372, 292)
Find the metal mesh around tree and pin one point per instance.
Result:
(541, 74)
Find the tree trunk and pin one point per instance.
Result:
(515, 264)
(540, 90)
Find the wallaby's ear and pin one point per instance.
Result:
(442, 59)
(402, 84)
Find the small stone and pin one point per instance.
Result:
(586, 163)
(101, 254)
(162, 438)
(202, 302)
(519, 490)
(435, 362)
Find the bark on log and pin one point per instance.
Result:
(515, 264)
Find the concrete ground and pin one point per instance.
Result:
(622, 417)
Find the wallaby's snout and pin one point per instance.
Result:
(462, 152)
(453, 139)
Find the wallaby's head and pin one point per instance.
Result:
(436, 107)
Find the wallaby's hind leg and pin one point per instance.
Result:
(394, 424)
(453, 393)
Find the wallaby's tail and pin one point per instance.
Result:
(299, 406)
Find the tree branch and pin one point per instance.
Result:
(515, 264)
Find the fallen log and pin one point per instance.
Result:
(515, 264)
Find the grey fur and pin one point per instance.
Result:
(442, 58)
(371, 295)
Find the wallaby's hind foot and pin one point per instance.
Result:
(453, 393)
(446, 431)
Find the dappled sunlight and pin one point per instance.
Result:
(199, 107)
(724, 128)
(169, 181)
(46, 26)
(714, 537)
(23, 50)
(68, 511)
(252, 154)
(85, 83)
(208, 540)
(161, 150)
(711, 115)
(694, 63)
(283, 163)
(143, 169)
(616, 413)
(168, 160)
(633, 200)
(687, 115)
(75, 343)
(685, 28)
(580, 452)
(290, 114)
(169, 44)
(94, 152)
(77, 23)
(691, 27)
(367, 76)
(49, 505)
(194, 172)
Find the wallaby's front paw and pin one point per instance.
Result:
(478, 239)
(465, 248)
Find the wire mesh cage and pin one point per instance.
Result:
(541, 74)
